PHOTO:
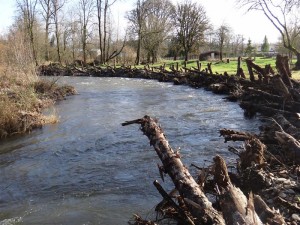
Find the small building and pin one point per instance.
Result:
(272, 50)
(210, 55)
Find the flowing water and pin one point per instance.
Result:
(88, 169)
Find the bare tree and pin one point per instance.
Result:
(191, 22)
(136, 18)
(151, 22)
(103, 7)
(174, 47)
(158, 24)
(222, 36)
(86, 13)
(74, 33)
(46, 6)
(29, 10)
(57, 7)
(237, 45)
(278, 14)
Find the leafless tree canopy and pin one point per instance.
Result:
(222, 35)
(28, 9)
(86, 8)
(278, 12)
(158, 24)
(151, 22)
(191, 22)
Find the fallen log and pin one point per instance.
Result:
(265, 95)
(197, 202)
(290, 145)
(266, 214)
(191, 70)
(280, 87)
(287, 126)
(265, 109)
(182, 214)
(234, 204)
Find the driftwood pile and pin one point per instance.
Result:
(265, 189)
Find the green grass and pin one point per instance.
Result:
(221, 67)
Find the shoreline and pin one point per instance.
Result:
(22, 111)
(272, 172)
(267, 165)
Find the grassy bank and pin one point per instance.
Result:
(221, 67)
(23, 97)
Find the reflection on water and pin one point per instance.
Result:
(88, 169)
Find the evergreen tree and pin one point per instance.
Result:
(265, 47)
(249, 49)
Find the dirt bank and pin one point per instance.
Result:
(21, 105)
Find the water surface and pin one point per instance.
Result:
(88, 169)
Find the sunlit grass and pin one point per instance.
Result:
(221, 67)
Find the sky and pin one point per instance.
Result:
(253, 25)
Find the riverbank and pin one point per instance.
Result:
(268, 164)
(22, 100)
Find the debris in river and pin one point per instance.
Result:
(263, 191)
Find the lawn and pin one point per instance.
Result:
(221, 67)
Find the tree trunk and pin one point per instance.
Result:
(57, 37)
(221, 54)
(248, 62)
(234, 204)
(282, 66)
(198, 204)
(186, 55)
(99, 15)
(47, 41)
(32, 46)
(297, 65)
(84, 44)
(138, 51)
(239, 71)
(209, 68)
(290, 144)
(104, 31)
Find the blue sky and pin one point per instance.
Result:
(251, 25)
(6, 14)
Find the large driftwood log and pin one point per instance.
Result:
(287, 126)
(280, 87)
(235, 206)
(198, 204)
(290, 144)
(265, 109)
(266, 214)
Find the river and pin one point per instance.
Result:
(88, 169)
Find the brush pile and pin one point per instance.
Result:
(264, 190)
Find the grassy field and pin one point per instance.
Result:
(221, 67)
